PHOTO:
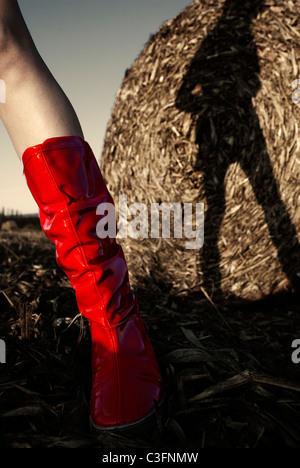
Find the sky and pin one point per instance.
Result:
(87, 45)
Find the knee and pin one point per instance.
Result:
(7, 44)
(5, 36)
(12, 42)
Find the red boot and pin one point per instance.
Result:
(65, 180)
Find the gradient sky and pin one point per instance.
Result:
(87, 45)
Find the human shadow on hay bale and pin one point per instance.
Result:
(217, 90)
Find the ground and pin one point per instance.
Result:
(229, 375)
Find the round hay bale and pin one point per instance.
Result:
(9, 225)
(208, 113)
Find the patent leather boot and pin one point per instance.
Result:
(66, 182)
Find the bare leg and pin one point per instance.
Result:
(65, 180)
(36, 108)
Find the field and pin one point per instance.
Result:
(229, 375)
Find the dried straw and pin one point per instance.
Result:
(205, 114)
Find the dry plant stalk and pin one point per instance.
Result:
(25, 319)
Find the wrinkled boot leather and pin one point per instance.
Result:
(65, 181)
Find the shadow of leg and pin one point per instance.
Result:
(214, 175)
(258, 168)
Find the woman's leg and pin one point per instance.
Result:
(36, 108)
(65, 180)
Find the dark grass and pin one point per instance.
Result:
(240, 356)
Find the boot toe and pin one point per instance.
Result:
(127, 385)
